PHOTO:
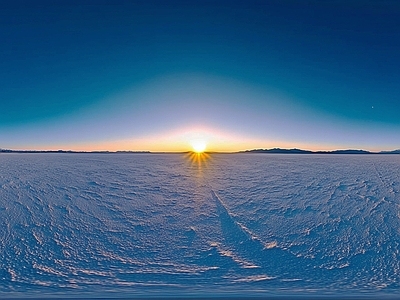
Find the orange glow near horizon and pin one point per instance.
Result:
(197, 139)
(133, 145)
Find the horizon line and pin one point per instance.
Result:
(275, 150)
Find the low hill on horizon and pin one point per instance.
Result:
(300, 151)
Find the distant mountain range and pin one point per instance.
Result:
(300, 151)
(66, 151)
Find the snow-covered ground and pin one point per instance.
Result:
(162, 224)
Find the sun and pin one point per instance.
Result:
(199, 146)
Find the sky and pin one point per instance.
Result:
(160, 75)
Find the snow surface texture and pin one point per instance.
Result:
(151, 224)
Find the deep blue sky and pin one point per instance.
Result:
(321, 74)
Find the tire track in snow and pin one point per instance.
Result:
(236, 234)
(250, 252)
(224, 213)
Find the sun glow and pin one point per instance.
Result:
(199, 146)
